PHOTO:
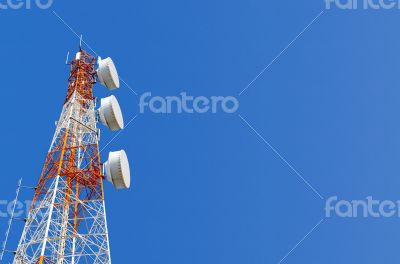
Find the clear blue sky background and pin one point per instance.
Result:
(206, 189)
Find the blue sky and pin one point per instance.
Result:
(207, 188)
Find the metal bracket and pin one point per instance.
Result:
(82, 124)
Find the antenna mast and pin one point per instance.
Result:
(4, 245)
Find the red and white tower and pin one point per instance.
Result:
(67, 221)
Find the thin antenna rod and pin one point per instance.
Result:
(66, 61)
(80, 42)
(11, 220)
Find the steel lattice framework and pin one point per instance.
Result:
(67, 219)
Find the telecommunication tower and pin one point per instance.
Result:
(67, 220)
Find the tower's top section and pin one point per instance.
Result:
(82, 75)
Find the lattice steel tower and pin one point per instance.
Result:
(67, 220)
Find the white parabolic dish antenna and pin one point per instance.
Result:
(110, 113)
(117, 170)
(107, 73)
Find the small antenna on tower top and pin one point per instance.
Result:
(66, 61)
(80, 42)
